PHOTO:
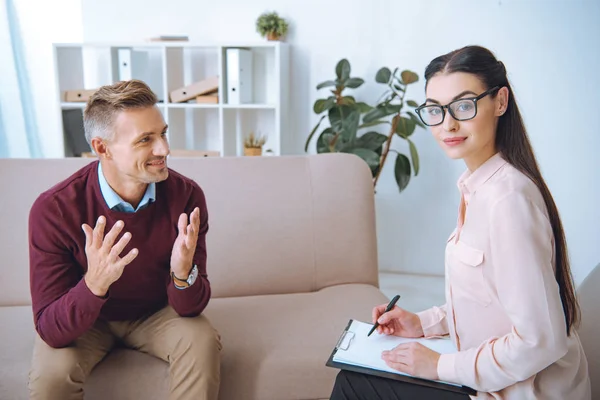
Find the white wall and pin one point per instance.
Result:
(551, 49)
(41, 23)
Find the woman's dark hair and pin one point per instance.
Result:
(513, 143)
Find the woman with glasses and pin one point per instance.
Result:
(511, 309)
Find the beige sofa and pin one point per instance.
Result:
(291, 257)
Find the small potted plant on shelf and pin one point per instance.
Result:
(271, 25)
(253, 144)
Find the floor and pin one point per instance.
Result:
(417, 292)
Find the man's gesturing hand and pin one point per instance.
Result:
(182, 256)
(105, 265)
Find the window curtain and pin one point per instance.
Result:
(18, 126)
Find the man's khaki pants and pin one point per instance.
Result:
(191, 346)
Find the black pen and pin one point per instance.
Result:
(387, 309)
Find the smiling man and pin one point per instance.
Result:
(118, 255)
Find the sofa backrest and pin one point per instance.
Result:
(276, 224)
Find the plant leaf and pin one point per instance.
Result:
(402, 171)
(398, 87)
(363, 107)
(416, 119)
(414, 155)
(323, 104)
(348, 100)
(326, 84)
(369, 156)
(371, 140)
(374, 114)
(353, 83)
(409, 77)
(393, 108)
(372, 123)
(342, 69)
(323, 141)
(405, 127)
(412, 103)
(383, 75)
(312, 133)
(345, 119)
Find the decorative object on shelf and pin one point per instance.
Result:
(208, 98)
(253, 144)
(345, 113)
(78, 96)
(192, 91)
(271, 25)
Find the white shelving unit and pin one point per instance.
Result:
(166, 66)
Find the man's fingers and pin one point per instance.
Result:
(190, 238)
(111, 236)
(196, 219)
(182, 224)
(118, 248)
(129, 257)
(89, 235)
(99, 231)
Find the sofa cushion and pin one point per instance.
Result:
(274, 347)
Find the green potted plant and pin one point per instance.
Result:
(271, 26)
(345, 113)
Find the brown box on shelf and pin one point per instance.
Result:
(78, 96)
(210, 98)
(194, 90)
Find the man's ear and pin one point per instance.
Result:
(501, 101)
(100, 148)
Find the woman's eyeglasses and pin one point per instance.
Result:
(461, 109)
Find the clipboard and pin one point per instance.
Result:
(345, 341)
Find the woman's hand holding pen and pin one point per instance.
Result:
(411, 358)
(398, 322)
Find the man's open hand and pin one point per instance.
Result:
(182, 256)
(105, 265)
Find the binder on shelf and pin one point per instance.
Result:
(189, 92)
(355, 351)
(124, 60)
(239, 76)
(129, 63)
(78, 95)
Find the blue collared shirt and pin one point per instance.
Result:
(116, 203)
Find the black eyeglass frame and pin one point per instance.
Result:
(447, 107)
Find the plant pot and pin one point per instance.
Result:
(252, 151)
(273, 36)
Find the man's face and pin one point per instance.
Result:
(138, 149)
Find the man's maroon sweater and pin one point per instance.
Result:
(63, 306)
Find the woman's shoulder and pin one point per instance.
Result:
(510, 184)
